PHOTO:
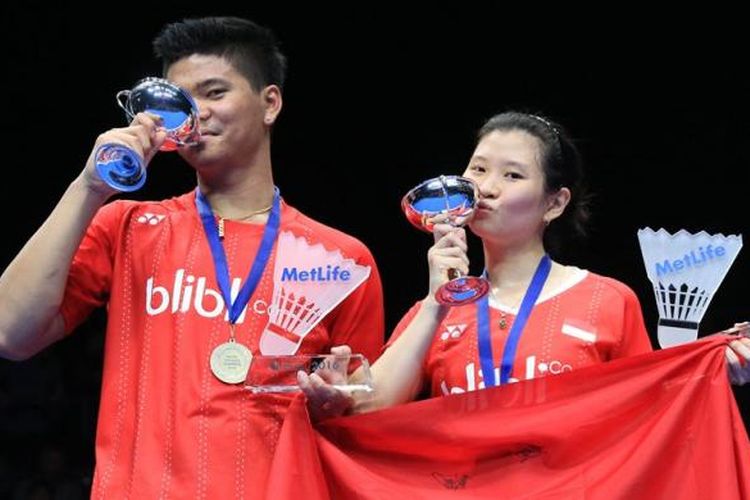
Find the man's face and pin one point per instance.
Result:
(231, 113)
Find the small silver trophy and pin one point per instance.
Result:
(121, 167)
(452, 199)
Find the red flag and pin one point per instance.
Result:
(659, 425)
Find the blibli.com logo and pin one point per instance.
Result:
(189, 292)
(474, 377)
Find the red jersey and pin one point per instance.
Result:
(167, 427)
(590, 320)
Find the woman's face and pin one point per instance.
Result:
(506, 166)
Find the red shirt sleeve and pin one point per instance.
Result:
(403, 323)
(635, 339)
(90, 275)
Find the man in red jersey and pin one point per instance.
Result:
(194, 285)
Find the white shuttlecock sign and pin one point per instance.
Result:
(686, 270)
(308, 282)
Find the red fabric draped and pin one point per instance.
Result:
(659, 425)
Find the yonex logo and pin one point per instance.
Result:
(151, 219)
(452, 331)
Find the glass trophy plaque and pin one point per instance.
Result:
(278, 373)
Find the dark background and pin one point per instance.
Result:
(377, 101)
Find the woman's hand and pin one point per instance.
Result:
(323, 399)
(738, 355)
(446, 256)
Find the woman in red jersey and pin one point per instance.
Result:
(540, 317)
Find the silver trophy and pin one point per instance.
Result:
(124, 169)
(451, 199)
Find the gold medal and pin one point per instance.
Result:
(230, 362)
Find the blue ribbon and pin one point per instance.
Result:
(484, 336)
(220, 259)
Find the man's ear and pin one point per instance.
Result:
(272, 101)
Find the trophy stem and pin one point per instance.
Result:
(454, 274)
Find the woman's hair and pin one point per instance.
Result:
(561, 165)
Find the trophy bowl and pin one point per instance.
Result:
(173, 104)
(449, 199)
(124, 169)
